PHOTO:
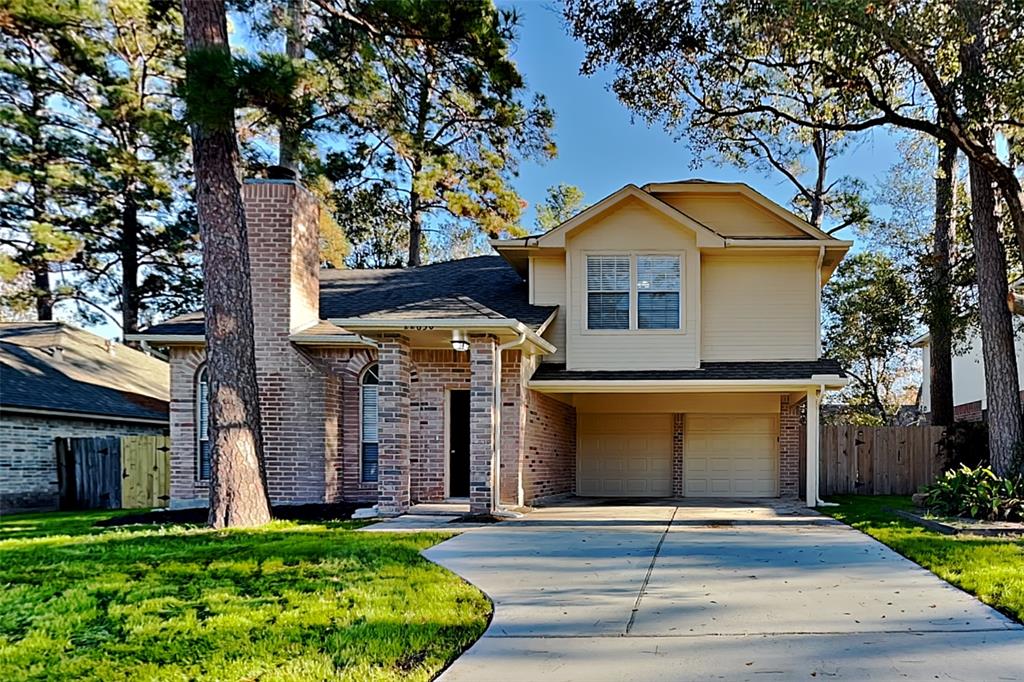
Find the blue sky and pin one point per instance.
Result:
(601, 148)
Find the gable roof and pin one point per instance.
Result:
(705, 235)
(83, 378)
(699, 185)
(478, 288)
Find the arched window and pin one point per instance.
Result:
(368, 421)
(202, 426)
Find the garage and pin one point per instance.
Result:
(624, 455)
(731, 455)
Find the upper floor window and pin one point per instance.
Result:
(202, 426)
(607, 292)
(633, 292)
(657, 292)
(368, 420)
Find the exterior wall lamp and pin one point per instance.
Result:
(459, 341)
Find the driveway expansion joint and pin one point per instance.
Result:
(650, 570)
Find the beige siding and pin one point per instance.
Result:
(632, 228)
(608, 403)
(732, 215)
(759, 307)
(547, 287)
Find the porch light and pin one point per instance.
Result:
(459, 342)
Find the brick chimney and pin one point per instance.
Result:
(283, 220)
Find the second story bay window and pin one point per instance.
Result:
(642, 292)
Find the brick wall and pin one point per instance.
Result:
(790, 452)
(968, 412)
(186, 489)
(436, 371)
(549, 452)
(283, 220)
(28, 459)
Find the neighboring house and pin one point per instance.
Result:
(662, 342)
(59, 381)
(969, 401)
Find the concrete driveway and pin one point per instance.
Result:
(730, 591)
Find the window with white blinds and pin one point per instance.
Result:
(608, 292)
(634, 292)
(657, 292)
(369, 439)
(203, 462)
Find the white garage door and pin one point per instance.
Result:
(624, 455)
(731, 455)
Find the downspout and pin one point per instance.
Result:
(496, 508)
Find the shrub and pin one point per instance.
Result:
(978, 493)
(964, 443)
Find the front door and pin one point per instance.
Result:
(458, 444)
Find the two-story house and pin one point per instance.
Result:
(663, 342)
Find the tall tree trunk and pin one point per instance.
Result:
(415, 209)
(295, 49)
(1002, 390)
(940, 299)
(821, 172)
(130, 266)
(238, 481)
(43, 293)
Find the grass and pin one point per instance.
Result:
(991, 569)
(286, 602)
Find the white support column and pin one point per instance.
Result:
(812, 447)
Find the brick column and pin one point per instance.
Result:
(481, 421)
(678, 455)
(395, 368)
(789, 448)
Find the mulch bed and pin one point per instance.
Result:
(341, 511)
(958, 526)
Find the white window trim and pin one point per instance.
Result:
(201, 378)
(362, 441)
(633, 306)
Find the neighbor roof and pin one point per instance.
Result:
(483, 287)
(709, 371)
(85, 377)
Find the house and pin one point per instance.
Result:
(662, 342)
(969, 401)
(59, 381)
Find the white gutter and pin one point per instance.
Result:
(475, 326)
(301, 339)
(683, 385)
(787, 243)
(153, 351)
(84, 415)
(496, 508)
(165, 339)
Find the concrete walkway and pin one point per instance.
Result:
(730, 591)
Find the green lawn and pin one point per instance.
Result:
(286, 602)
(991, 569)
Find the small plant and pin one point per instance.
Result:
(978, 493)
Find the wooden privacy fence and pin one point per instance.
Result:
(878, 460)
(113, 472)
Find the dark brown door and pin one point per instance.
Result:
(458, 444)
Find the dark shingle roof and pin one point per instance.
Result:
(709, 371)
(85, 377)
(483, 287)
(455, 288)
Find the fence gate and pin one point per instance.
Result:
(114, 472)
